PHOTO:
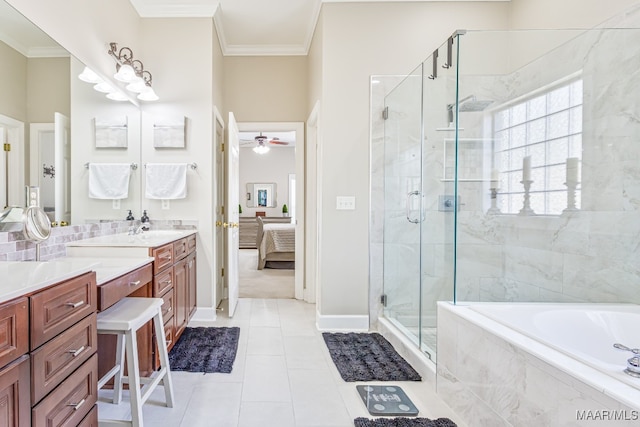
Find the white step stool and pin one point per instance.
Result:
(123, 319)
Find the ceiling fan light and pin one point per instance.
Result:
(261, 149)
(89, 76)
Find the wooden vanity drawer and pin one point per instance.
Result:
(113, 291)
(54, 361)
(168, 305)
(15, 409)
(14, 329)
(163, 282)
(71, 401)
(180, 249)
(91, 420)
(163, 257)
(57, 308)
(191, 243)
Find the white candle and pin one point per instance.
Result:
(526, 168)
(572, 169)
(495, 176)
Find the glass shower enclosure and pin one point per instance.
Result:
(419, 196)
(510, 174)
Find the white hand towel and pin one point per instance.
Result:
(109, 180)
(166, 181)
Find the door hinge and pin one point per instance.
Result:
(385, 113)
(221, 210)
(222, 147)
(7, 146)
(383, 300)
(222, 272)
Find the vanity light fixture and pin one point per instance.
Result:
(131, 71)
(89, 76)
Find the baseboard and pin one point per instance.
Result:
(204, 314)
(353, 323)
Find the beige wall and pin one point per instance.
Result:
(179, 51)
(48, 88)
(566, 13)
(266, 88)
(13, 85)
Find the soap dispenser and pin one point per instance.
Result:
(130, 216)
(145, 220)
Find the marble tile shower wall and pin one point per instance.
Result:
(588, 256)
(15, 247)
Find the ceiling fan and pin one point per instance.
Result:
(261, 142)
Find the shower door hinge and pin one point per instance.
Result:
(383, 300)
(385, 113)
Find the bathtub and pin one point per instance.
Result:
(570, 345)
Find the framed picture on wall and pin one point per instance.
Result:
(170, 133)
(111, 132)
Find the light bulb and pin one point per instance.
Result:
(103, 87)
(261, 149)
(148, 95)
(89, 76)
(125, 74)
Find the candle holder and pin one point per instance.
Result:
(494, 209)
(571, 196)
(526, 208)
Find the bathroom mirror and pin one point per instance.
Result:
(40, 96)
(261, 195)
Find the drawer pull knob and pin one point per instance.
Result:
(136, 283)
(168, 282)
(75, 304)
(76, 406)
(165, 256)
(75, 353)
(169, 309)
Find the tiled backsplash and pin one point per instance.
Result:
(15, 247)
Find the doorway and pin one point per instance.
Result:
(275, 282)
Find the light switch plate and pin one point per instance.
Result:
(166, 204)
(116, 203)
(345, 202)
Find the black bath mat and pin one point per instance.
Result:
(403, 422)
(367, 357)
(205, 350)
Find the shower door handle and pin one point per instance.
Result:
(411, 194)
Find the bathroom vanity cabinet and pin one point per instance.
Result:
(48, 355)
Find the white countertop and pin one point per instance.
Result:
(147, 239)
(25, 277)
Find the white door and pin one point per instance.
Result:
(63, 165)
(231, 212)
(219, 188)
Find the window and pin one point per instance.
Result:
(548, 128)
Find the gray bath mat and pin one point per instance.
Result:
(386, 400)
(205, 350)
(367, 357)
(403, 422)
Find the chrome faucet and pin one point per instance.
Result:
(137, 230)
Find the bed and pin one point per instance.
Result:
(276, 245)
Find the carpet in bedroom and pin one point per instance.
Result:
(266, 283)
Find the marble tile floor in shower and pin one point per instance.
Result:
(283, 376)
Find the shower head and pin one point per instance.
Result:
(472, 104)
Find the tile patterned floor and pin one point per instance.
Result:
(283, 376)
